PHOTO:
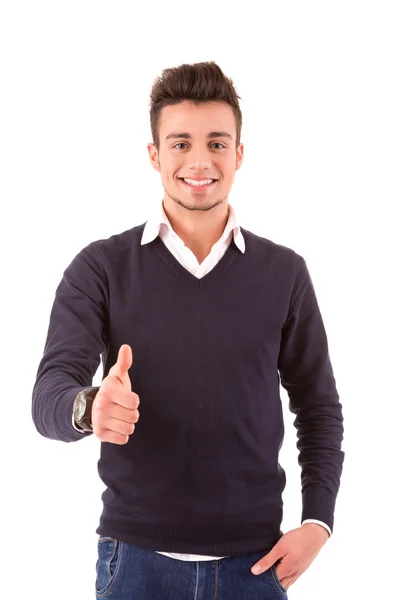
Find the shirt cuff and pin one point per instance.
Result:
(319, 523)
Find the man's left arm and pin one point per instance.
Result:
(306, 374)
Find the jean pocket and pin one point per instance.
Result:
(108, 564)
(275, 578)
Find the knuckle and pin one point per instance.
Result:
(128, 428)
(133, 400)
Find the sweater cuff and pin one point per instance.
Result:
(319, 504)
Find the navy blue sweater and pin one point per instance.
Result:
(200, 474)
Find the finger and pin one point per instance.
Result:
(286, 582)
(123, 364)
(112, 402)
(266, 562)
(289, 572)
(130, 415)
(107, 435)
(121, 427)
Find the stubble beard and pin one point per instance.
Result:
(203, 206)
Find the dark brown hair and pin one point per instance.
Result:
(199, 83)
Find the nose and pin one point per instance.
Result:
(199, 159)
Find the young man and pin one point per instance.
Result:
(199, 321)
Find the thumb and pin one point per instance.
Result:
(124, 362)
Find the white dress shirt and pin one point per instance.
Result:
(159, 224)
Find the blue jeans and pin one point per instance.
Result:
(126, 572)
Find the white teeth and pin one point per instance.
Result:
(197, 183)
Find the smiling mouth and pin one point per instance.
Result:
(198, 187)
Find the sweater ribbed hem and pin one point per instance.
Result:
(319, 504)
(210, 539)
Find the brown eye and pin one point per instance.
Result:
(184, 144)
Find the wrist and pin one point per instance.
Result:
(319, 529)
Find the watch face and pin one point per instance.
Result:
(80, 408)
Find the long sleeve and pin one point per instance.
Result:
(76, 337)
(306, 373)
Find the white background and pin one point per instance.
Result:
(319, 83)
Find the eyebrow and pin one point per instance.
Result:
(188, 136)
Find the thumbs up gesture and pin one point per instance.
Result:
(114, 409)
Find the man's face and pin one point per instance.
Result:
(197, 154)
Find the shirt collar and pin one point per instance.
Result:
(159, 218)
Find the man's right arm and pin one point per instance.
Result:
(77, 336)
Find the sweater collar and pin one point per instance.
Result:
(159, 218)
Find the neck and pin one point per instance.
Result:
(199, 230)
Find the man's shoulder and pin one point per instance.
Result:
(118, 243)
(269, 247)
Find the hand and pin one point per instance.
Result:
(295, 551)
(114, 409)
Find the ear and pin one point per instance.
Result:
(239, 156)
(153, 155)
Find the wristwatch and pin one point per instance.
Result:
(83, 408)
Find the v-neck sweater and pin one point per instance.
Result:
(200, 474)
